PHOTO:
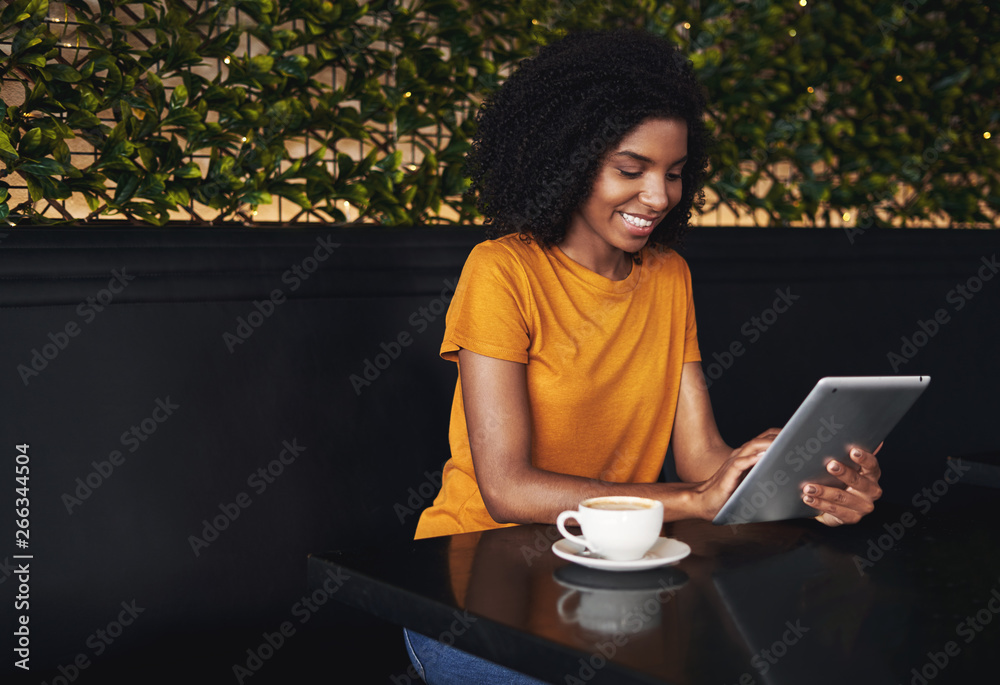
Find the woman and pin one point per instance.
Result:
(574, 330)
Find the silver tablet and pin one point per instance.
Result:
(839, 413)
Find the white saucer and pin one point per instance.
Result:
(665, 551)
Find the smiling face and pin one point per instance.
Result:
(638, 183)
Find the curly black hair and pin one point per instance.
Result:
(542, 136)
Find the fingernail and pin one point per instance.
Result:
(807, 499)
(834, 467)
(811, 489)
(856, 454)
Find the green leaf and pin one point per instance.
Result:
(5, 146)
(295, 193)
(391, 162)
(294, 65)
(365, 165)
(38, 10)
(185, 119)
(179, 96)
(32, 60)
(62, 72)
(148, 157)
(42, 187)
(63, 157)
(345, 165)
(35, 192)
(82, 119)
(178, 197)
(35, 143)
(40, 167)
(261, 64)
(257, 197)
(189, 170)
(127, 186)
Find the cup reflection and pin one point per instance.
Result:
(615, 603)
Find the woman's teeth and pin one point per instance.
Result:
(636, 221)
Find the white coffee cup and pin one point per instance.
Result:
(617, 528)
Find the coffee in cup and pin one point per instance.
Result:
(617, 528)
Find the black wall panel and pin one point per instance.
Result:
(170, 399)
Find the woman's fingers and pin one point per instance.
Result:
(857, 499)
(846, 506)
(758, 444)
(858, 480)
(716, 490)
(867, 462)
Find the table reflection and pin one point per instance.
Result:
(753, 604)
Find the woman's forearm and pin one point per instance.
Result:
(537, 496)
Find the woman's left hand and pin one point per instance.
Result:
(837, 506)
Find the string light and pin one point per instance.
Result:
(810, 89)
(687, 25)
(845, 216)
(803, 3)
(986, 135)
(407, 94)
(899, 78)
(226, 60)
(244, 139)
(791, 32)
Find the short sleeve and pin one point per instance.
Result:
(490, 311)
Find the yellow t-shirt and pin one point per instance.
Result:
(604, 361)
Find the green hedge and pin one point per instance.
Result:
(874, 109)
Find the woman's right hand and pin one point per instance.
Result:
(715, 491)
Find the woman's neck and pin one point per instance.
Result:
(615, 265)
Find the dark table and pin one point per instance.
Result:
(909, 596)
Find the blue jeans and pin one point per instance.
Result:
(440, 664)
